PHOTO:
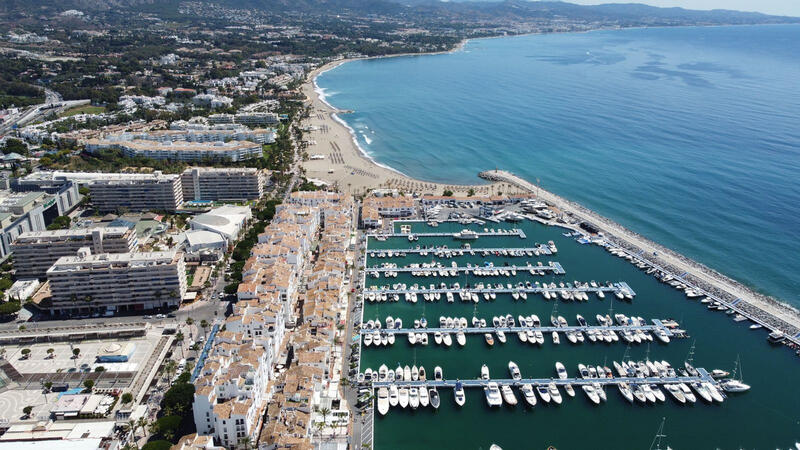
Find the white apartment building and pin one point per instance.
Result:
(181, 151)
(237, 184)
(116, 281)
(36, 251)
(154, 192)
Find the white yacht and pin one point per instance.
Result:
(461, 338)
(437, 373)
(393, 395)
(561, 371)
(556, 339)
(544, 393)
(555, 394)
(413, 397)
(424, 398)
(625, 390)
(508, 395)
(513, 369)
(493, 396)
(458, 394)
(484, 372)
(383, 400)
(590, 392)
(528, 394)
(402, 398)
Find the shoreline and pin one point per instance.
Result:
(363, 173)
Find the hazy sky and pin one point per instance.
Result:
(780, 7)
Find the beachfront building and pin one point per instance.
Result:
(254, 118)
(259, 135)
(137, 192)
(36, 251)
(116, 281)
(220, 184)
(375, 208)
(180, 150)
(314, 198)
(19, 213)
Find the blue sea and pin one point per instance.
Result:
(689, 136)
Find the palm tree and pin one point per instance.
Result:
(141, 423)
(244, 442)
(51, 353)
(179, 338)
(204, 325)
(169, 368)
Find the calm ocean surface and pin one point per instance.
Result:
(690, 136)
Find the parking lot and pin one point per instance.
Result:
(63, 360)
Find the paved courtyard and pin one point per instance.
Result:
(12, 402)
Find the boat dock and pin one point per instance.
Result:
(702, 376)
(657, 325)
(476, 251)
(511, 232)
(554, 267)
(615, 287)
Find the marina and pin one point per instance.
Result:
(587, 262)
(440, 270)
(464, 234)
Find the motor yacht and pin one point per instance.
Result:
(393, 395)
(458, 394)
(433, 394)
(383, 400)
(402, 399)
(508, 395)
(544, 393)
(513, 369)
(528, 395)
(493, 396)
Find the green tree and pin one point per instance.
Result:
(60, 223)
(27, 410)
(88, 384)
(25, 353)
(48, 385)
(126, 398)
(167, 426)
(157, 445)
(471, 192)
(9, 308)
(76, 352)
(51, 353)
(99, 369)
(447, 193)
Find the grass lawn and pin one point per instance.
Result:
(84, 109)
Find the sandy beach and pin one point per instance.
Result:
(345, 166)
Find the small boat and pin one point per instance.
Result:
(393, 395)
(383, 400)
(544, 393)
(437, 374)
(461, 338)
(407, 373)
(528, 394)
(424, 398)
(434, 397)
(687, 393)
(421, 373)
(437, 337)
(556, 339)
(484, 372)
(555, 395)
(413, 397)
(489, 338)
(590, 392)
(569, 390)
(561, 371)
(501, 337)
(447, 340)
(508, 395)
(458, 394)
(398, 373)
(403, 397)
(513, 369)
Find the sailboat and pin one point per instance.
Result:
(733, 384)
(659, 437)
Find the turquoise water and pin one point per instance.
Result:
(766, 417)
(689, 136)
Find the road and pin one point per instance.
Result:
(36, 112)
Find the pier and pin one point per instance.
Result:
(460, 251)
(657, 325)
(511, 232)
(702, 376)
(554, 267)
(615, 287)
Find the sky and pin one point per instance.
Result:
(778, 7)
